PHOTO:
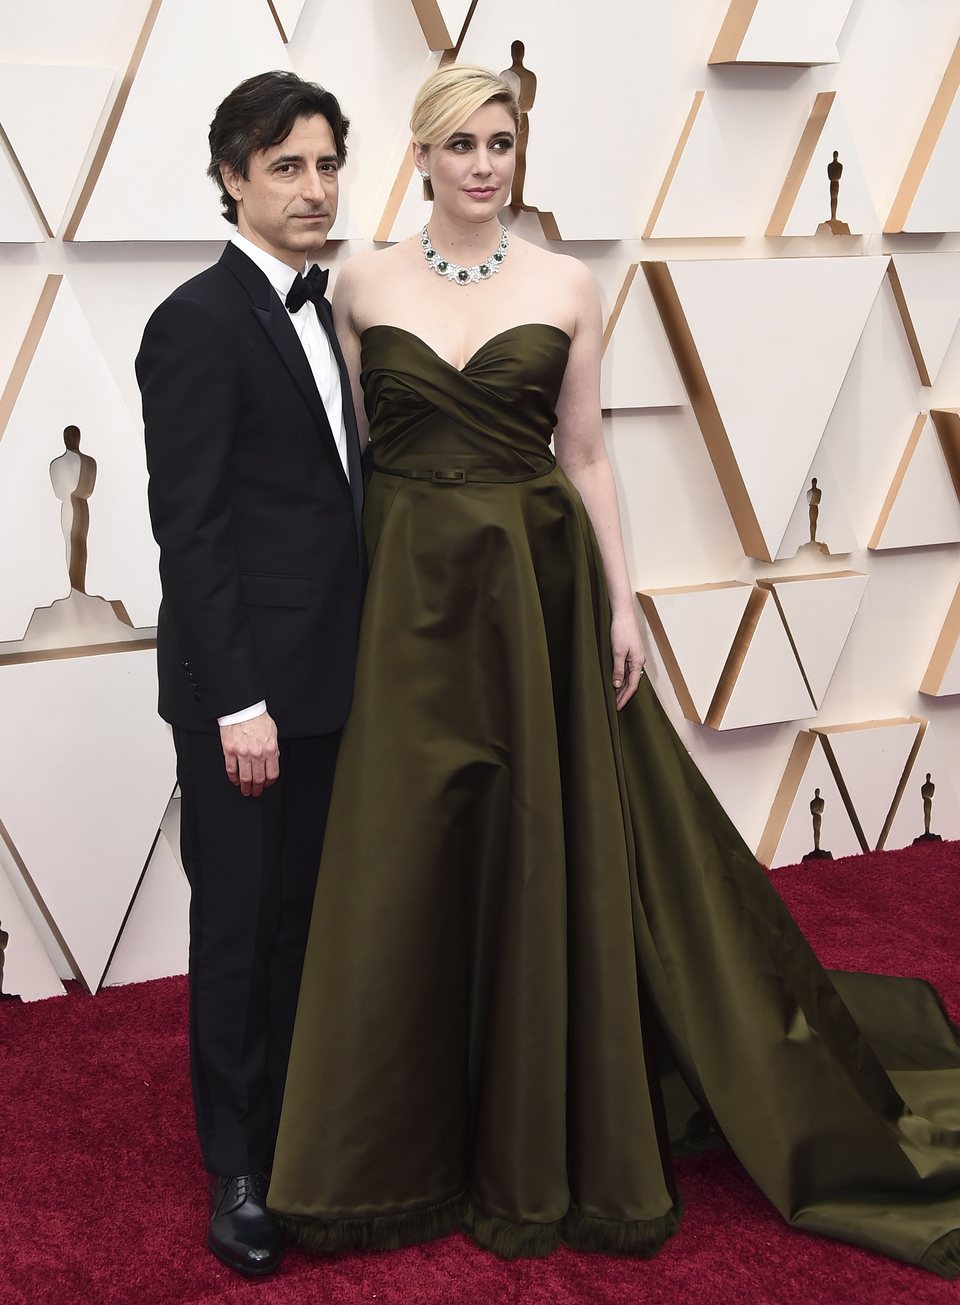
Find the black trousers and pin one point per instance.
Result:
(252, 865)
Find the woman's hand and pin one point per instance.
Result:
(628, 656)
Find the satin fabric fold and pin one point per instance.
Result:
(541, 957)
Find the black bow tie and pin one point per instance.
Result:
(311, 286)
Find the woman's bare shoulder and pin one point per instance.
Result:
(563, 270)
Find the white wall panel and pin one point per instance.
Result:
(40, 104)
(83, 793)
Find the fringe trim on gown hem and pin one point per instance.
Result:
(943, 1257)
(642, 1237)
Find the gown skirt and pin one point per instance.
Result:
(542, 960)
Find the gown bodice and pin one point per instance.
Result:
(496, 415)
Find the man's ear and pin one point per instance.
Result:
(231, 179)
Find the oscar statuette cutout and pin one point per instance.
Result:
(834, 226)
(927, 790)
(817, 805)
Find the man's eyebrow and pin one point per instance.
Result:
(299, 158)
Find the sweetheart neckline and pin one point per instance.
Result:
(519, 326)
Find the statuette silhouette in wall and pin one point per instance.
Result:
(817, 805)
(78, 619)
(814, 496)
(73, 476)
(524, 84)
(834, 226)
(927, 790)
(4, 939)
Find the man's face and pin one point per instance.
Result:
(288, 201)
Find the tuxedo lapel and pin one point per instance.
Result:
(325, 314)
(275, 321)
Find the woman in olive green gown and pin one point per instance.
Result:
(541, 957)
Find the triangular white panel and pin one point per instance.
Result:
(951, 676)
(930, 289)
(698, 624)
(638, 368)
(702, 193)
(812, 203)
(155, 938)
(796, 839)
(288, 15)
(27, 970)
(70, 384)
(769, 687)
(83, 793)
(785, 32)
(922, 506)
(827, 518)
(19, 223)
(33, 98)
(819, 612)
(909, 820)
(936, 205)
(775, 337)
(942, 676)
(201, 51)
(442, 21)
(871, 759)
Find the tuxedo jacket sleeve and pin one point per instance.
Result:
(260, 552)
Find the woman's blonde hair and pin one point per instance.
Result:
(447, 99)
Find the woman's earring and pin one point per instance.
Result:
(425, 175)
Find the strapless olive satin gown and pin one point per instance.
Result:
(541, 957)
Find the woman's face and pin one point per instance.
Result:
(472, 172)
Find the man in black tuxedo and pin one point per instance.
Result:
(255, 495)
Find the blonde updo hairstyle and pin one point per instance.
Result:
(447, 99)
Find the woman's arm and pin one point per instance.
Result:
(582, 454)
(344, 319)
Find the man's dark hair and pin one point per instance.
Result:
(261, 112)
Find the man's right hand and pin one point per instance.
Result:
(251, 753)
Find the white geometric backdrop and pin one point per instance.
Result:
(781, 402)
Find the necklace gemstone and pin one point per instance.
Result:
(458, 274)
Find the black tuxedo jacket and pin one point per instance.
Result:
(261, 552)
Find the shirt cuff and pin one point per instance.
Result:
(248, 713)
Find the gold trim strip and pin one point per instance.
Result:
(926, 144)
(944, 649)
(113, 122)
(25, 355)
(731, 35)
(31, 193)
(793, 775)
(705, 407)
(801, 162)
(674, 164)
(897, 482)
(82, 650)
(909, 329)
(614, 317)
(736, 657)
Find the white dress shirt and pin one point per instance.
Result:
(323, 365)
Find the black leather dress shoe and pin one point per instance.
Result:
(243, 1233)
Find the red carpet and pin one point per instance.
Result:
(102, 1196)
